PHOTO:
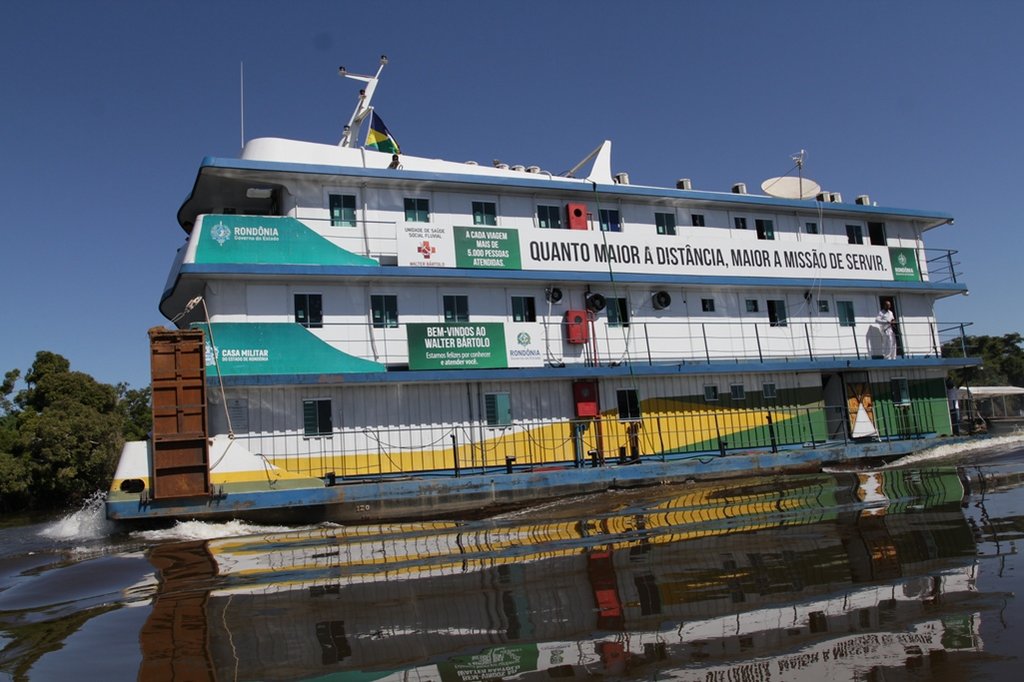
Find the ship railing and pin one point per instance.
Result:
(457, 449)
(693, 340)
(942, 265)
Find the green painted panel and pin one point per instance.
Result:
(268, 240)
(248, 348)
(904, 265)
(459, 345)
(480, 247)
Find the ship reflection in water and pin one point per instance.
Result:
(800, 578)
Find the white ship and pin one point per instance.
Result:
(366, 334)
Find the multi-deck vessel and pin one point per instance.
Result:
(364, 334)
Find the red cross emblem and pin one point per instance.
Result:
(426, 249)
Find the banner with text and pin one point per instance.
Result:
(740, 255)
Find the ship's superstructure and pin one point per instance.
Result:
(368, 315)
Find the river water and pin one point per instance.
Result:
(906, 573)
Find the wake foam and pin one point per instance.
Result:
(204, 530)
(995, 444)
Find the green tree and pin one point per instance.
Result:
(1002, 360)
(60, 435)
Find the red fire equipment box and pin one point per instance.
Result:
(576, 215)
(577, 327)
(584, 394)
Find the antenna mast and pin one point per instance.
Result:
(363, 108)
(799, 160)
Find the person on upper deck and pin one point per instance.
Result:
(886, 321)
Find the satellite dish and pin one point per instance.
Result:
(788, 187)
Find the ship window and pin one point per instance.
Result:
(876, 233)
(768, 391)
(765, 229)
(710, 394)
(900, 389)
(707, 305)
(384, 310)
(737, 392)
(629, 403)
(309, 310)
(811, 228)
(549, 217)
(752, 306)
(523, 309)
(845, 311)
(417, 210)
(316, 417)
(610, 220)
(618, 312)
(343, 210)
(456, 309)
(665, 222)
(855, 234)
(822, 305)
(739, 223)
(777, 313)
(485, 213)
(697, 220)
(498, 409)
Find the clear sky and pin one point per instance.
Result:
(109, 106)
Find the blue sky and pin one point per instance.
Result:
(109, 106)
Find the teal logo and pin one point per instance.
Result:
(220, 233)
(523, 339)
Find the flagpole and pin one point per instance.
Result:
(363, 108)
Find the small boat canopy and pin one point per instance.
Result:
(979, 392)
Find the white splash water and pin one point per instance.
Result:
(204, 530)
(88, 523)
(954, 450)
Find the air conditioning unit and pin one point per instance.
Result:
(595, 302)
(661, 300)
(553, 295)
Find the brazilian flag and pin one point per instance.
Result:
(379, 137)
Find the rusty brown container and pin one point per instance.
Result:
(181, 451)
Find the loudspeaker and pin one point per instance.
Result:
(661, 300)
(596, 302)
(553, 294)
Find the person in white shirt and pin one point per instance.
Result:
(886, 321)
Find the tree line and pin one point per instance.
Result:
(61, 434)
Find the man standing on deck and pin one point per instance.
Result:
(886, 321)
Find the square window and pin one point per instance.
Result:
(343, 210)
(629, 403)
(752, 306)
(665, 223)
(739, 223)
(900, 389)
(384, 310)
(498, 409)
(485, 213)
(811, 228)
(610, 220)
(523, 309)
(777, 313)
(549, 217)
(822, 305)
(710, 394)
(768, 391)
(618, 312)
(309, 310)
(456, 308)
(697, 219)
(854, 234)
(707, 305)
(737, 392)
(765, 229)
(316, 417)
(417, 210)
(846, 316)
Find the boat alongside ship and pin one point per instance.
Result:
(362, 335)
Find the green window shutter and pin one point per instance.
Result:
(498, 409)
